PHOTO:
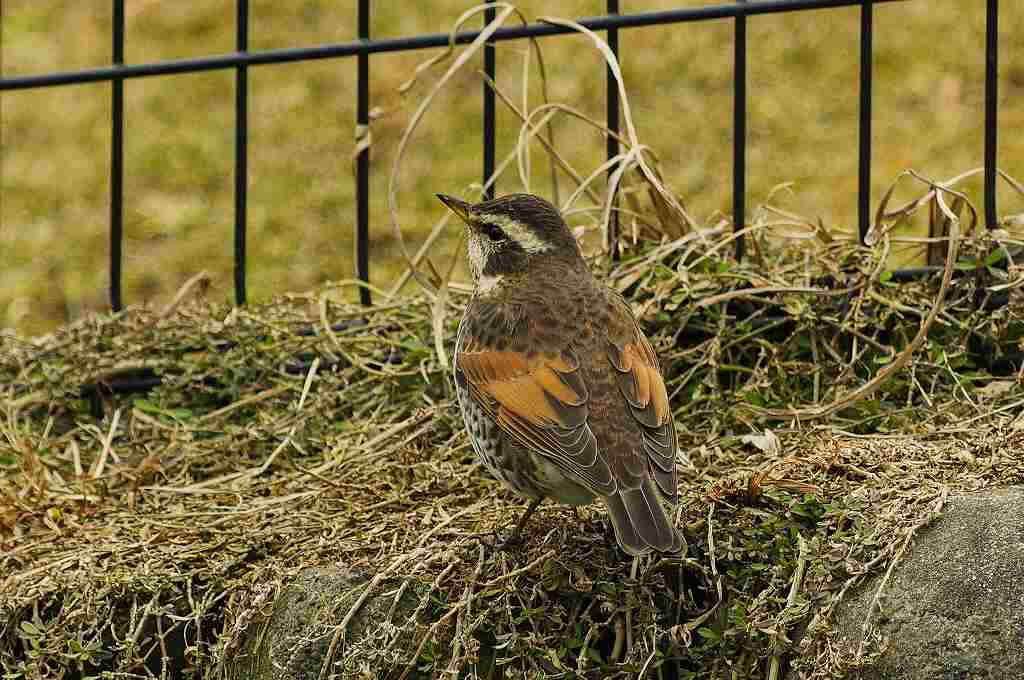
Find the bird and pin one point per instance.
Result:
(560, 391)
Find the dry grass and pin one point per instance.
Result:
(179, 137)
(311, 431)
(824, 414)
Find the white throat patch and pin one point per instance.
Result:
(479, 251)
(485, 284)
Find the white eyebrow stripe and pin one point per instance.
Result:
(529, 241)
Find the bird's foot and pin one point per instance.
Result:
(509, 542)
(499, 541)
(515, 539)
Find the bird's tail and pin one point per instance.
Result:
(640, 522)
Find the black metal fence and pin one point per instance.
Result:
(363, 47)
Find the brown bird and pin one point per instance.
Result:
(560, 391)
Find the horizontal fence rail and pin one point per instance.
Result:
(363, 47)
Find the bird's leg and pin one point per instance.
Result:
(526, 515)
(608, 533)
(515, 537)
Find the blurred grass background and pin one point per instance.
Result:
(929, 90)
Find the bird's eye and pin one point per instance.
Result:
(493, 231)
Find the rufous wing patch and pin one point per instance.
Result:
(643, 387)
(539, 402)
(535, 389)
(640, 380)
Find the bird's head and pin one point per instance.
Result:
(507, 235)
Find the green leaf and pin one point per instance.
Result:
(754, 398)
(996, 256)
(708, 634)
(146, 406)
(555, 661)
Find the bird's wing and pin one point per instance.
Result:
(641, 383)
(538, 400)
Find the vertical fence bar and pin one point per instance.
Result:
(363, 158)
(489, 113)
(241, 148)
(612, 120)
(117, 160)
(739, 132)
(991, 109)
(866, 64)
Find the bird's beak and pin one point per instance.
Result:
(459, 207)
